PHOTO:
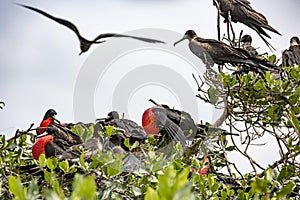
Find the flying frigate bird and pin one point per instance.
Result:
(85, 44)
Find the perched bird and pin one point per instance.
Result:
(63, 136)
(178, 125)
(126, 129)
(43, 146)
(241, 11)
(56, 140)
(84, 43)
(212, 51)
(291, 56)
(247, 44)
(183, 119)
(48, 119)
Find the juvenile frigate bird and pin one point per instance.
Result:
(84, 43)
(241, 11)
(213, 51)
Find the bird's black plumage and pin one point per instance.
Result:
(182, 119)
(241, 11)
(291, 56)
(127, 129)
(213, 51)
(84, 43)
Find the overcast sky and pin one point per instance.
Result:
(39, 61)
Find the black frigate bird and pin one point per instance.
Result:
(84, 43)
(241, 11)
(166, 123)
(126, 129)
(183, 119)
(213, 51)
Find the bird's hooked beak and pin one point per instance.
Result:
(56, 120)
(101, 119)
(42, 135)
(152, 101)
(183, 38)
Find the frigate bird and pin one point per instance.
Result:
(183, 119)
(85, 43)
(127, 129)
(291, 56)
(241, 11)
(55, 140)
(213, 51)
(49, 118)
(176, 125)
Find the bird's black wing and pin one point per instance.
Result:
(58, 20)
(258, 20)
(172, 129)
(107, 35)
(244, 3)
(131, 129)
(223, 53)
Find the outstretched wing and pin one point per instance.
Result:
(107, 35)
(58, 20)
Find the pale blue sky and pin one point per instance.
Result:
(39, 60)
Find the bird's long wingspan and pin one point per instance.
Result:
(106, 35)
(58, 20)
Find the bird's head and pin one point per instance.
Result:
(51, 113)
(113, 115)
(48, 119)
(110, 116)
(190, 34)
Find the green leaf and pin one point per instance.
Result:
(213, 95)
(268, 76)
(42, 161)
(83, 188)
(48, 177)
(135, 144)
(287, 189)
(52, 163)
(296, 122)
(114, 168)
(230, 148)
(16, 187)
(286, 172)
(33, 191)
(64, 165)
(127, 144)
(151, 194)
(272, 58)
